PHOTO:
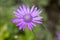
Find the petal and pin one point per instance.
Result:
(21, 9)
(37, 22)
(33, 24)
(17, 14)
(30, 26)
(37, 18)
(24, 8)
(18, 24)
(36, 13)
(16, 20)
(32, 8)
(28, 9)
(18, 10)
(22, 26)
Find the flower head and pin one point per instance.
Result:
(27, 17)
(58, 36)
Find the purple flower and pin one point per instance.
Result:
(58, 36)
(27, 17)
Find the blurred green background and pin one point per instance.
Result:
(9, 31)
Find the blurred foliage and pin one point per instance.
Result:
(9, 31)
(59, 2)
(6, 2)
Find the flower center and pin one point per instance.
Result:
(27, 18)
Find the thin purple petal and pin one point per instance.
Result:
(16, 20)
(37, 22)
(21, 9)
(37, 18)
(36, 13)
(28, 9)
(32, 9)
(24, 8)
(22, 26)
(30, 26)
